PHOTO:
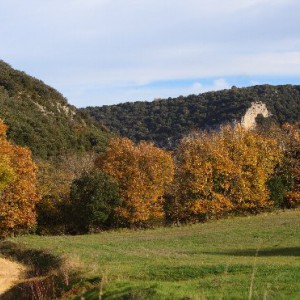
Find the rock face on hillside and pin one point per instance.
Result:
(257, 108)
(164, 122)
(41, 118)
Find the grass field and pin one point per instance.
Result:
(255, 257)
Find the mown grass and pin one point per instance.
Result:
(255, 257)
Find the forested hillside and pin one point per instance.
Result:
(40, 117)
(120, 183)
(165, 121)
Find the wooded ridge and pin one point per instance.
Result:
(165, 121)
(40, 118)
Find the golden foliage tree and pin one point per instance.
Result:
(142, 171)
(285, 184)
(18, 195)
(222, 171)
(6, 171)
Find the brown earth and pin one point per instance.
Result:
(10, 272)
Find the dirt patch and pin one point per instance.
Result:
(45, 276)
(10, 272)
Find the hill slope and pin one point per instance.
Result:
(167, 120)
(40, 117)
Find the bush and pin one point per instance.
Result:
(278, 190)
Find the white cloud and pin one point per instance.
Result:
(147, 92)
(285, 63)
(198, 87)
(76, 45)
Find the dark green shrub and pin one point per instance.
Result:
(94, 197)
(277, 190)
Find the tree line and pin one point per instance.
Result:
(137, 185)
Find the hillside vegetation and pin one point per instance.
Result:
(79, 182)
(125, 184)
(165, 121)
(238, 258)
(40, 117)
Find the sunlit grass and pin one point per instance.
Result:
(236, 258)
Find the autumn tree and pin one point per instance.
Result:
(18, 196)
(284, 185)
(223, 171)
(142, 171)
(6, 171)
(291, 140)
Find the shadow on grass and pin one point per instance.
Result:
(289, 251)
(187, 272)
(40, 262)
(128, 292)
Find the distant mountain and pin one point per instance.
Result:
(164, 121)
(40, 117)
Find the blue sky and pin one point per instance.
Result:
(100, 52)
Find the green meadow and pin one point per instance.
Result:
(254, 257)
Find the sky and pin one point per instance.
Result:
(103, 52)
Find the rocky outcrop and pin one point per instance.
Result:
(256, 108)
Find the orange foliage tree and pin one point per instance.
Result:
(142, 171)
(285, 184)
(222, 171)
(18, 195)
(6, 171)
